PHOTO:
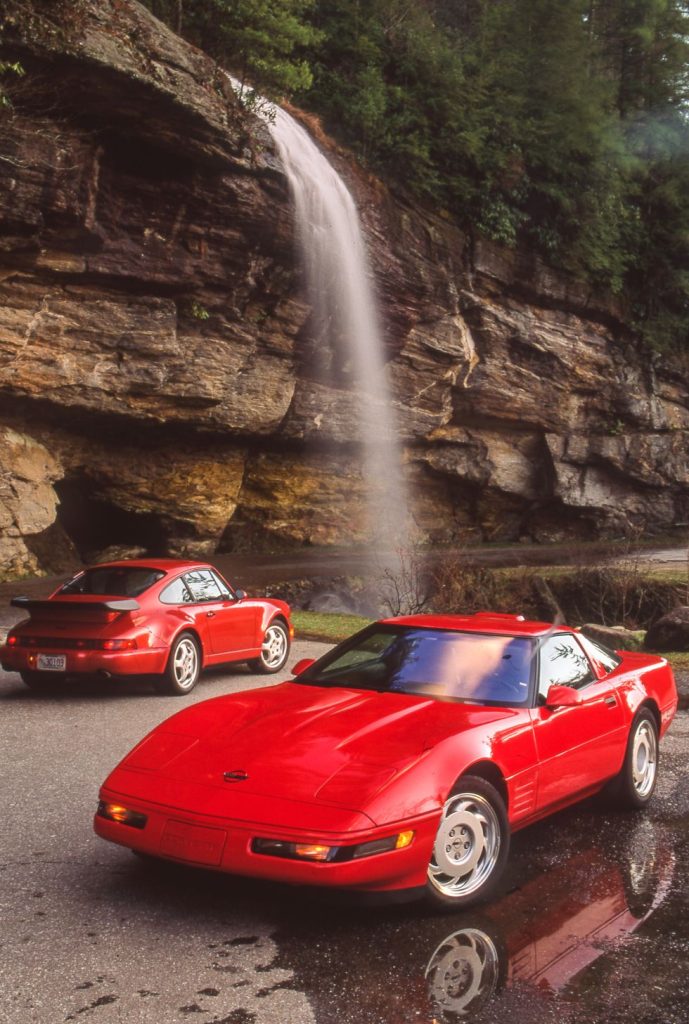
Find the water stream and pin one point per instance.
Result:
(345, 315)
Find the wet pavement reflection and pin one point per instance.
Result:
(585, 930)
(591, 923)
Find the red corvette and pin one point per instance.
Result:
(401, 760)
(157, 618)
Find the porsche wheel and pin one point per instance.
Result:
(274, 649)
(183, 667)
(471, 846)
(636, 782)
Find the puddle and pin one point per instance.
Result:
(589, 929)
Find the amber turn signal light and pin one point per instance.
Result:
(122, 815)
(339, 854)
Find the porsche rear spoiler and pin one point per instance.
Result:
(120, 604)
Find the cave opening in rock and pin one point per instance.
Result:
(94, 524)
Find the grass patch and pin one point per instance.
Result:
(677, 659)
(326, 626)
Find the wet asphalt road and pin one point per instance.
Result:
(592, 922)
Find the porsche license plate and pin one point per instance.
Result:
(51, 662)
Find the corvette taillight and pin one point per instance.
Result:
(11, 641)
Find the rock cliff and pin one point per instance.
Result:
(159, 385)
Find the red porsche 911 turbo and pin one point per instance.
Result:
(159, 618)
(401, 760)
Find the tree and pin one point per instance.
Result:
(560, 125)
(262, 42)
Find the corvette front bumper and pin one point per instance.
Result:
(226, 845)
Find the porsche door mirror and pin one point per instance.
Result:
(562, 697)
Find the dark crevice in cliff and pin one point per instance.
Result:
(467, 418)
(39, 416)
(91, 523)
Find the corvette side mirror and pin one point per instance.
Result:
(239, 594)
(302, 666)
(562, 697)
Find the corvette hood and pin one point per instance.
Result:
(294, 742)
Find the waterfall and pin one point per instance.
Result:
(340, 292)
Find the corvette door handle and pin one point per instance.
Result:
(611, 702)
(209, 615)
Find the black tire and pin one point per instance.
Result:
(274, 649)
(471, 847)
(42, 682)
(183, 667)
(636, 782)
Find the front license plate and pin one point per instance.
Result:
(51, 662)
(193, 842)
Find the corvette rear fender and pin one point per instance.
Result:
(654, 709)
(651, 690)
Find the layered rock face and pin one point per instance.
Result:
(159, 384)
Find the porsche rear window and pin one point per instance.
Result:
(479, 668)
(115, 581)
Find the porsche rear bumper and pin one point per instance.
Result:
(226, 845)
(148, 661)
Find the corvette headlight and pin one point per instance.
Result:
(122, 815)
(331, 854)
(294, 851)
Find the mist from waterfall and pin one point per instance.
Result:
(344, 315)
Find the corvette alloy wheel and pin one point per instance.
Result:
(274, 649)
(644, 758)
(183, 667)
(471, 845)
(634, 785)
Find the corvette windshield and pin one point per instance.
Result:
(477, 667)
(115, 581)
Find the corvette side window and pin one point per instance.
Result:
(202, 585)
(176, 593)
(605, 660)
(563, 663)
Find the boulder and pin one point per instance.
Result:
(670, 632)
(615, 638)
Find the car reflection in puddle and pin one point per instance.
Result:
(523, 944)
(507, 962)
